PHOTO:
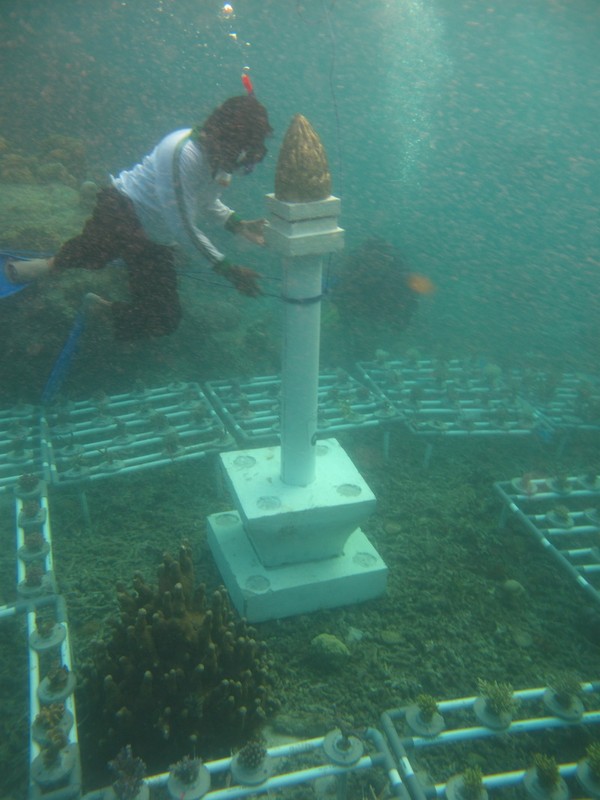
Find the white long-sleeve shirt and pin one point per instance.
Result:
(152, 187)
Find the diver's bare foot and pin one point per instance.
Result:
(25, 271)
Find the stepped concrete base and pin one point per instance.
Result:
(262, 593)
(297, 524)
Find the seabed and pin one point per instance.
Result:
(471, 593)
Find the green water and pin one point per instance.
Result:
(463, 132)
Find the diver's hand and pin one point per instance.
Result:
(93, 302)
(253, 230)
(243, 279)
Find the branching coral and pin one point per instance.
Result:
(178, 667)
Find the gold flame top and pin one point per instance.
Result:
(302, 174)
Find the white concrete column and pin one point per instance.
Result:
(302, 282)
(301, 233)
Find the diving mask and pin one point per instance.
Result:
(223, 178)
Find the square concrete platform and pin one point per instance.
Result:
(297, 524)
(262, 593)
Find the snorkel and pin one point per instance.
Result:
(248, 86)
(223, 177)
(247, 82)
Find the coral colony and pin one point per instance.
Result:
(178, 669)
(129, 773)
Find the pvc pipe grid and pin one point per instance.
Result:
(251, 409)
(453, 398)
(286, 761)
(114, 435)
(20, 449)
(571, 402)
(453, 728)
(563, 514)
(45, 651)
(393, 751)
(76, 442)
(71, 788)
(392, 755)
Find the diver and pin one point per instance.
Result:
(375, 296)
(153, 207)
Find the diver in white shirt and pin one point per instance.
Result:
(159, 205)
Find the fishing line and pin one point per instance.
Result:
(332, 71)
(327, 9)
(227, 18)
(207, 281)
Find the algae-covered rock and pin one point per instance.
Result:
(40, 217)
(328, 652)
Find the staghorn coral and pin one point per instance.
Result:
(427, 707)
(593, 757)
(186, 770)
(547, 771)
(129, 772)
(178, 668)
(498, 696)
(566, 686)
(472, 787)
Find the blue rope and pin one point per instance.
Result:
(23, 255)
(63, 362)
(65, 357)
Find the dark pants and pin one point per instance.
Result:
(114, 231)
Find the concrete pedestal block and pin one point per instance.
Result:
(303, 229)
(294, 524)
(261, 593)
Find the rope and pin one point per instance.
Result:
(63, 362)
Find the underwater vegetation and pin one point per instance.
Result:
(59, 158)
